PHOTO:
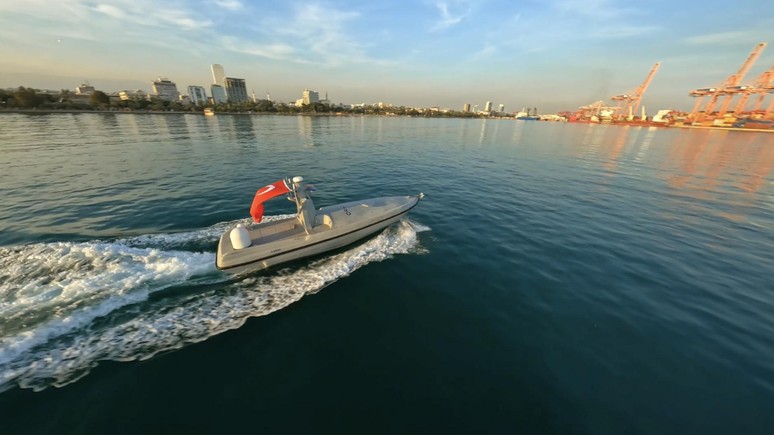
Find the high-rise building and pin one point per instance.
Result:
(466, 108)
(84, 89)
(501, 108)
(488, 106)
(236, 90)
(310, 97)
(218, 74)
(218, 94)
(165, 89)
(197, 95)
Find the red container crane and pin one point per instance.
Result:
(632, 101)
(763, 85)
(731, 86)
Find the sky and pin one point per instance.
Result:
(550, 54)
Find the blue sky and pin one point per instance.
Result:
(550, 54)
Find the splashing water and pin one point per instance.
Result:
(66, 306)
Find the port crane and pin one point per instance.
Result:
(731, 86)
(763, 85)
(632, 100)
(596, 110)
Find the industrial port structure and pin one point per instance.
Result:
(718, 110)
(731, 87)
(631, 101)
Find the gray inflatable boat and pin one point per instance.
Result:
(311, 232)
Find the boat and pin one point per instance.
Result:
(758, 124)
(525, 116)
(311, 231)
(209, 111)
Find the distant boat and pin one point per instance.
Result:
(525, 116)
(209, 111)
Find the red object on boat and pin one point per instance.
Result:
(264, 194)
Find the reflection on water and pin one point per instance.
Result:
(723, 167)
(695, 160)
(244, 129)
(305, 130)
(713, 159)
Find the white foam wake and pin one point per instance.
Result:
(95, 286)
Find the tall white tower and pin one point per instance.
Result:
(218, 75)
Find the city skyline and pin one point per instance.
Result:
(554, 55)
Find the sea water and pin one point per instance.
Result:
(556, 278)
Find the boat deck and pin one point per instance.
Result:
(275, 231)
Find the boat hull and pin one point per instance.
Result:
(336, 226)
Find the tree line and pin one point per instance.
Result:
(29, 98)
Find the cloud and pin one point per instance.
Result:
(726, 38)
(146, 14)
(111, 11)
(447, 18)
(623, 31)
(488, 50)
(320, 33)
(232, 5)
(269, 51)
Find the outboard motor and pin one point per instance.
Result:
(240, 238)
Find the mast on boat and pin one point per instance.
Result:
(304, 204)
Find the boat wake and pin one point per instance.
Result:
(65, 306)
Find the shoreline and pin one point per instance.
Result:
(149, 112)
(201, 113)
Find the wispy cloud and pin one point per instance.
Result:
(728, 38)
(595, 9)
(320, 34)
(143, 13)
(622, 30)
(448, 18)
(488, 50)
(232, 5)
(559, 21)
(110, 11)
(277, 50)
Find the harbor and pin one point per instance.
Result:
(751, 111)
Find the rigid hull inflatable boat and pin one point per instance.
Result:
(310, 232)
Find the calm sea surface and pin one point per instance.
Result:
(557, 278)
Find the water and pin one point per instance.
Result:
(557, 278)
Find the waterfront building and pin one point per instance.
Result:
(135, 95)
(218, 94)
(165, 89)
(197, 95)
(501, 108)
(218, 74)
(325, 100)
(310, 97)
(466, 108)
(85, 89)
(236, 90)
(488, 106)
